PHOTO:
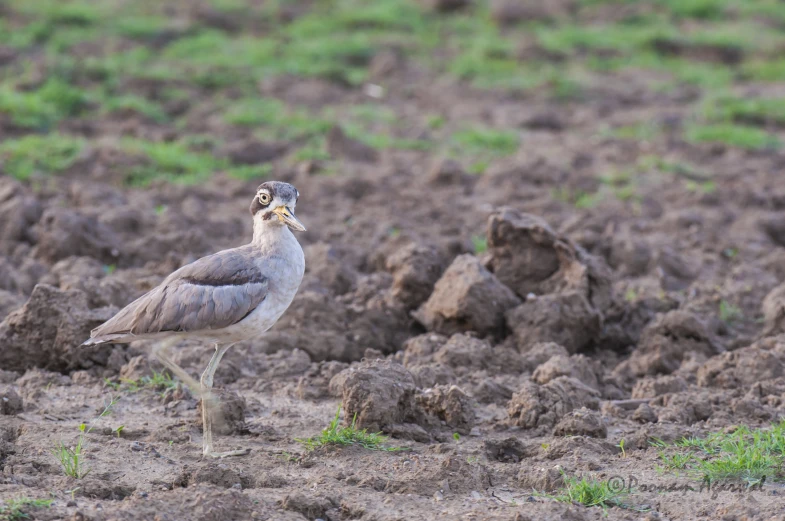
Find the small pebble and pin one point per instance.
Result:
(237, 486)
(135, 445)
(71, 503)
(438, 496)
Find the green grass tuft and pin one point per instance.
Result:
(480, 244)
(751, 456)
(45, 154)
(747, 111)
(733, 135)
(71, 458)
(589, 492)
(501, 142)
(160, 382)
(16, 509)
(351, 435)
(40, 109)
(730, 313)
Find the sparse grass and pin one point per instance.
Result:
(480, 244)
(351, 435)
(169, 161)
(746, 111)
(137, 105)
(764, 70)
(636, 132)
(729, 313)
(746, 455)
(589, 492)
(45, 154)
(675, 461)
(489, 141)
(40, 109)
(16, 509)
(733, 135)
(72, 458)
(159, 382)
(601, 37)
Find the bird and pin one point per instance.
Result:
(223, 298)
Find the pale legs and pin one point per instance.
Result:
(209, 402)
(203, 389)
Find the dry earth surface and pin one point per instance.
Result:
(545, 240)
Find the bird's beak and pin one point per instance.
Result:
(286, 216)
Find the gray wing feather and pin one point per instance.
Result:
(211, 293)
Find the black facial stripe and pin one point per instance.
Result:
(257, 205)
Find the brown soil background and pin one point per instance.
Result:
(531, 351)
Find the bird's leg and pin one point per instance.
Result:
(161, 352)
(209, 403)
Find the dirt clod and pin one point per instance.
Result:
(415, 270)
(467, 298)
(379, 392)
(537, 405)
(65, 233)
(667, 341)
(744, 367)
(645, 414)
(581, 422)
(567, 319)
(650, 387)
(47, 331)
(10, 401)
(450, 405)
(529, 257)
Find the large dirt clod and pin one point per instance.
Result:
(576, 366)
(65, 233)
(762, 361)
(415, 270)
(650, 387)
(535, 405)
(666, 342)
(48, 330)
(467, 298)
(529, 257)
(450, 405)
(581, 422)
(380, 393)
(567, 319)
(330, 329)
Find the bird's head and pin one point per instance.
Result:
(274, 204)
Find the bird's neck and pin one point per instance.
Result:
(266, 233)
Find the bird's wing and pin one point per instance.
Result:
(211, 293)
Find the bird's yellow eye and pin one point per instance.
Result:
(264, 198)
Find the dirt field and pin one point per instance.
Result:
(546, 244)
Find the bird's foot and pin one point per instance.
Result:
(227, 454)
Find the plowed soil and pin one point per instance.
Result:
(509, 318)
